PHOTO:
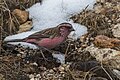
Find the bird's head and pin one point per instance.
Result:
(65, 29)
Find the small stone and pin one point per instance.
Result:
(55, 69)
(98, 0)
(21, 15)
(62, 72)
(19, 55)
(82, 38)
(28, 62)
(38, 75)
(98, 8)
(109, 21)
(35, 64)
(118, 6)
(2, 77)
(91, 39)
(108, 5)
(31, 76)
(118, 20)
(51, 71)
(61, 69)
(103, 1)
(25, 27)
(106, 18)
(84, 45)
(116, 30)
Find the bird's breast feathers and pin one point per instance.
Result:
(51, 42)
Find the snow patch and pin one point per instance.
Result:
(60, 57)
(19, 36)
(53, 12)
(24, 44)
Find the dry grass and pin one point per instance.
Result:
(9, 23)
(8, 26)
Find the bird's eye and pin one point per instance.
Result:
(61, 29)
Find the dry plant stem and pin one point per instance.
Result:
(85, 15)
(3, 68)
(71, 74)
(0, 39)
(43, 55)
(10, 17)
(1, 25)
(67, 49)
(6, 66)
(90, 76)
(96, 68)
(106, 71)
(16, 19)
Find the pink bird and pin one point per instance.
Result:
(49, 38)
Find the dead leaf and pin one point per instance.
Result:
(106, 42)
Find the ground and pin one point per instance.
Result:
(82, 56)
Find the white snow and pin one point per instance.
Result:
(60, 57)
(19, 36)
(79, 31)
(24, 44)
(53, 12)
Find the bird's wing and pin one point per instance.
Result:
(47, 33)
(37, 36)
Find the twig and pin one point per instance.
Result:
(106, 71)
(67, 49)
(71, 74)
(96, 68)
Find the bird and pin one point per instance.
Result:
(49, 38)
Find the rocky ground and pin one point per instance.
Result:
(94, 56)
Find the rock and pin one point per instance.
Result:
(106, 42)
(105, 55)
(99, 9)
(118, 6)
(21, 16)
(2, 77)
(116, 72)
(25, 27)
(116, 30)
(61, 69)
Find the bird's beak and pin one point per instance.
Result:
(72, 29)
